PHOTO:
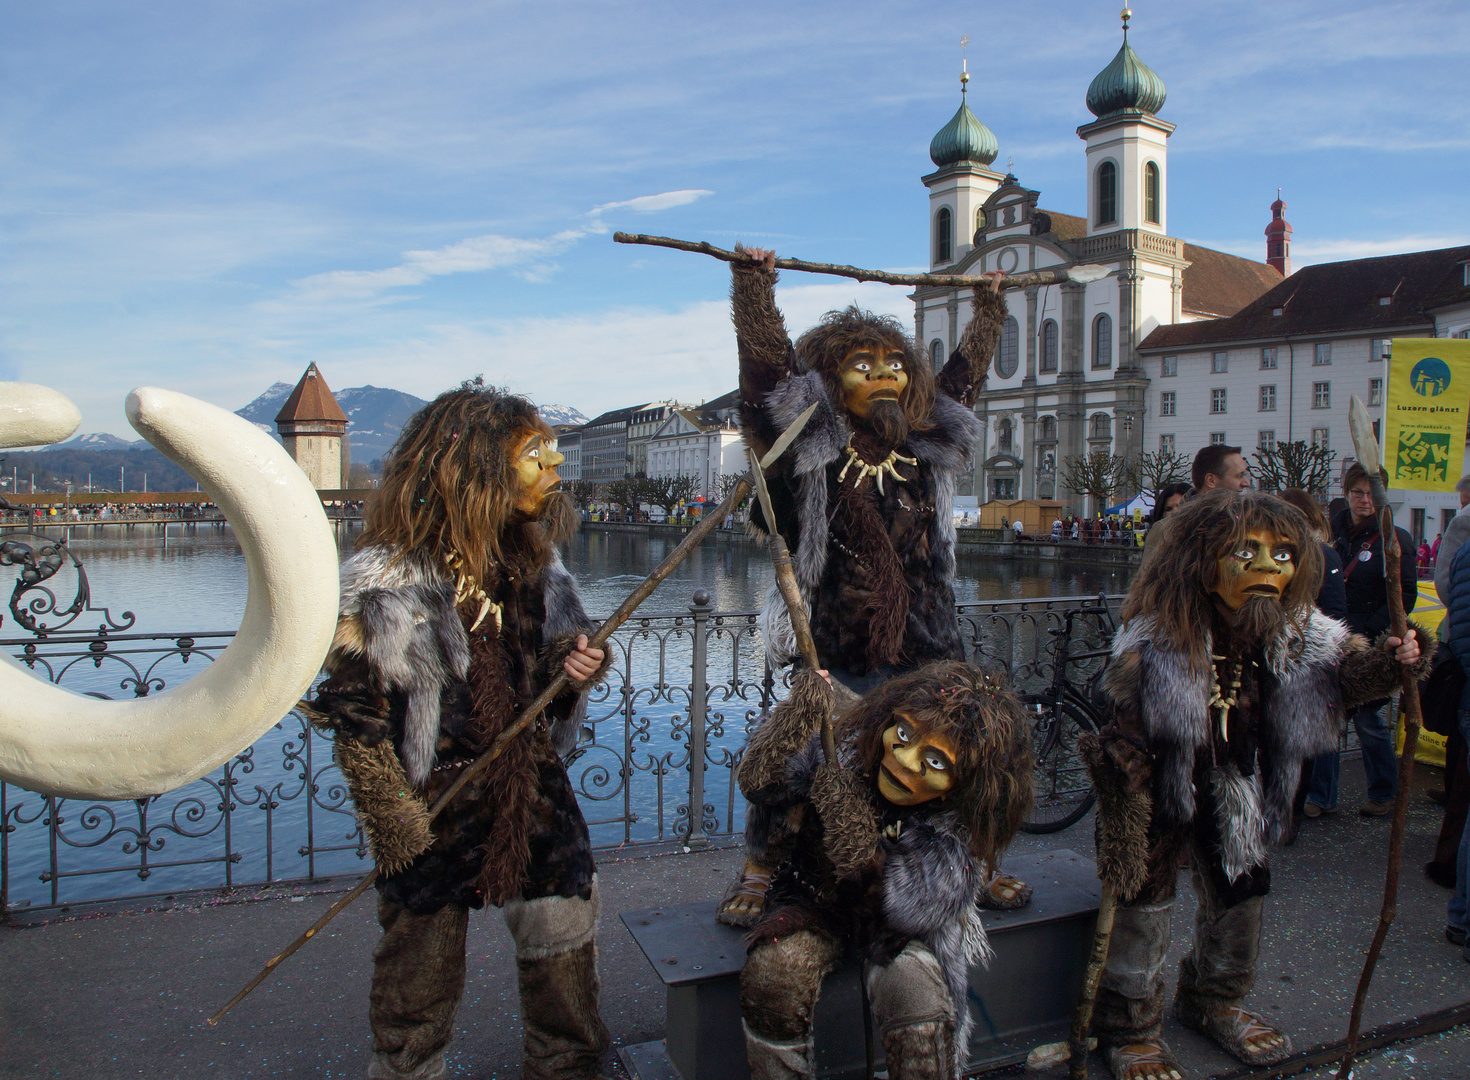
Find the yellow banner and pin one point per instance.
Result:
(1425, 412)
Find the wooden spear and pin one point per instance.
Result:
(1010, 281)
(1366, 446)
(596, 641)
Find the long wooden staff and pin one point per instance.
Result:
(1366, 446)
(596, 641)
(1010, 281)
(1102, 939)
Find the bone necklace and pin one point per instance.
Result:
(876, 471)
(1221, 704)
(466, 588)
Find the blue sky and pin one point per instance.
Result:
(207, 197)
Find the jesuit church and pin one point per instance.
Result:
(1067, 378)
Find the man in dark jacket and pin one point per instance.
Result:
(1457, 599)
(1356, 537)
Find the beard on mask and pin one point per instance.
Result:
(1259, 619)
(558, 517)
(887, 422)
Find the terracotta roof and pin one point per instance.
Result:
(1335, 298)
(311, 400)
(1218, 284)
(1066, 226)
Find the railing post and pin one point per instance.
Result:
(700, 609)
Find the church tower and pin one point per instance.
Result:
(313, 428)
(1278, 238)
(963, 149)
(1127, 151)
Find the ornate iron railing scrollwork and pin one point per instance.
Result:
(32, 597)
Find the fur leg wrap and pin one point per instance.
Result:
(915, 1010)
(1120, 772)
(418, 978)
(1130, 999)
(1220, 968)
(391, 812)
(779, 986)
(564, 1036)
(784, 732)
(552, 925)
(849, 825)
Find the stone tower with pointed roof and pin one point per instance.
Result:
(314, 430)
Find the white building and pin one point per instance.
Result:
(1066, 378)
(700, 441)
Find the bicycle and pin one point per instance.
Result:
(1062, 714)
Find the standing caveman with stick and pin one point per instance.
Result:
(456, 612)
(864, 498)
(1225, 678)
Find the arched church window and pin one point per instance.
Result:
(980, 220)
(1151, 193)
(1008, 351)
(1003, 437)
(1049, 345)
(1048, 429)
(1107, 193)
(943, 235)
(1102, 426)
(1102, 342)
(936, 353)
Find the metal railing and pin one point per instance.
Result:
(654, 762)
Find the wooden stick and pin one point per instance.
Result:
(1010, 281)
(801, 627)
(1092, 978)
(1412, 719)
(596, 641)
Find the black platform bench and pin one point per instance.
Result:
(1026, 997)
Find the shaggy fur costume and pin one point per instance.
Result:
(852, 575)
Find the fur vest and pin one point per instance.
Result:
(1308, 680)
(942, 451)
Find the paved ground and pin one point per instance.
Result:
(124, 993)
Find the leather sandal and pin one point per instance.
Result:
(992, 894)
(1150, 1060)
(752, 885)
(1231, 1028)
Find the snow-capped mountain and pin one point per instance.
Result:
(98, 440)
(561, 414)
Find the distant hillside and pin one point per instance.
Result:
(104, 469)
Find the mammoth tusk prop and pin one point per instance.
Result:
(1054, 276)
(55, 742)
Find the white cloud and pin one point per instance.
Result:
(648, 204)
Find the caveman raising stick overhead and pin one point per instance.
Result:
(863, 498)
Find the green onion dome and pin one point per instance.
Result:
(1125, 85)
(964, 138)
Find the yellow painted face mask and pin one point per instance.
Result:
(535, 459)
(872, 374)
(1258, 564)
(918, 765)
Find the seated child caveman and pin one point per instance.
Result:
(933, 780)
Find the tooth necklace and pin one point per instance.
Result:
(876, 471)
(1219, 702)
(466, 588)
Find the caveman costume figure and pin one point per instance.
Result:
(933, 781)
(1225, 678)
(864, 498)
(456, 612)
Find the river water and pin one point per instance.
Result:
(631, 776)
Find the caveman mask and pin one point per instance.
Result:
(535, 459)
(870, 374)
(918, 764)
(1260, 563)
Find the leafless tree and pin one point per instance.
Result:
(1098, 474)
(1153, 472)
(1296, 464)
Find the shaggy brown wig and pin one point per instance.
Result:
(976, 710)
(1178, 576)
(449, 485)
(825, 346)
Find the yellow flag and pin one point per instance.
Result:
(1425, 413)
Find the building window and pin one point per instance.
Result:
(1268, 358)
(1322, 354)
(1008, 350)
(1320, 438)
(1375, 391)
(1102, 426)
(1217, 438)
(1168, 366)
(1321, 395)
(1166, 403)
(1003, 439)
(1266, 440)
(1219, 362)
(1217, 400)
(936, 353)
(1268, 399)
(1003, 488)
(1151, 193)
(1166, 444)
(1048, 429)
(1382, 348)
(1102, 342)
(1049, 345)
(943, 235)
(1107, 193)
(980, 220)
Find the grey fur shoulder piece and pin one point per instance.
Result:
(564, 612)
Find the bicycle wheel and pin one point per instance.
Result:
(1063, 786)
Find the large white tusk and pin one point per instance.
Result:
(32, 415)
(60, 743)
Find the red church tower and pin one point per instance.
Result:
(1278, 238)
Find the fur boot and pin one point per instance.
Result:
(1130, 999)
(778, 996)
(913, 1007)
(1220, 968)
(418, 977)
